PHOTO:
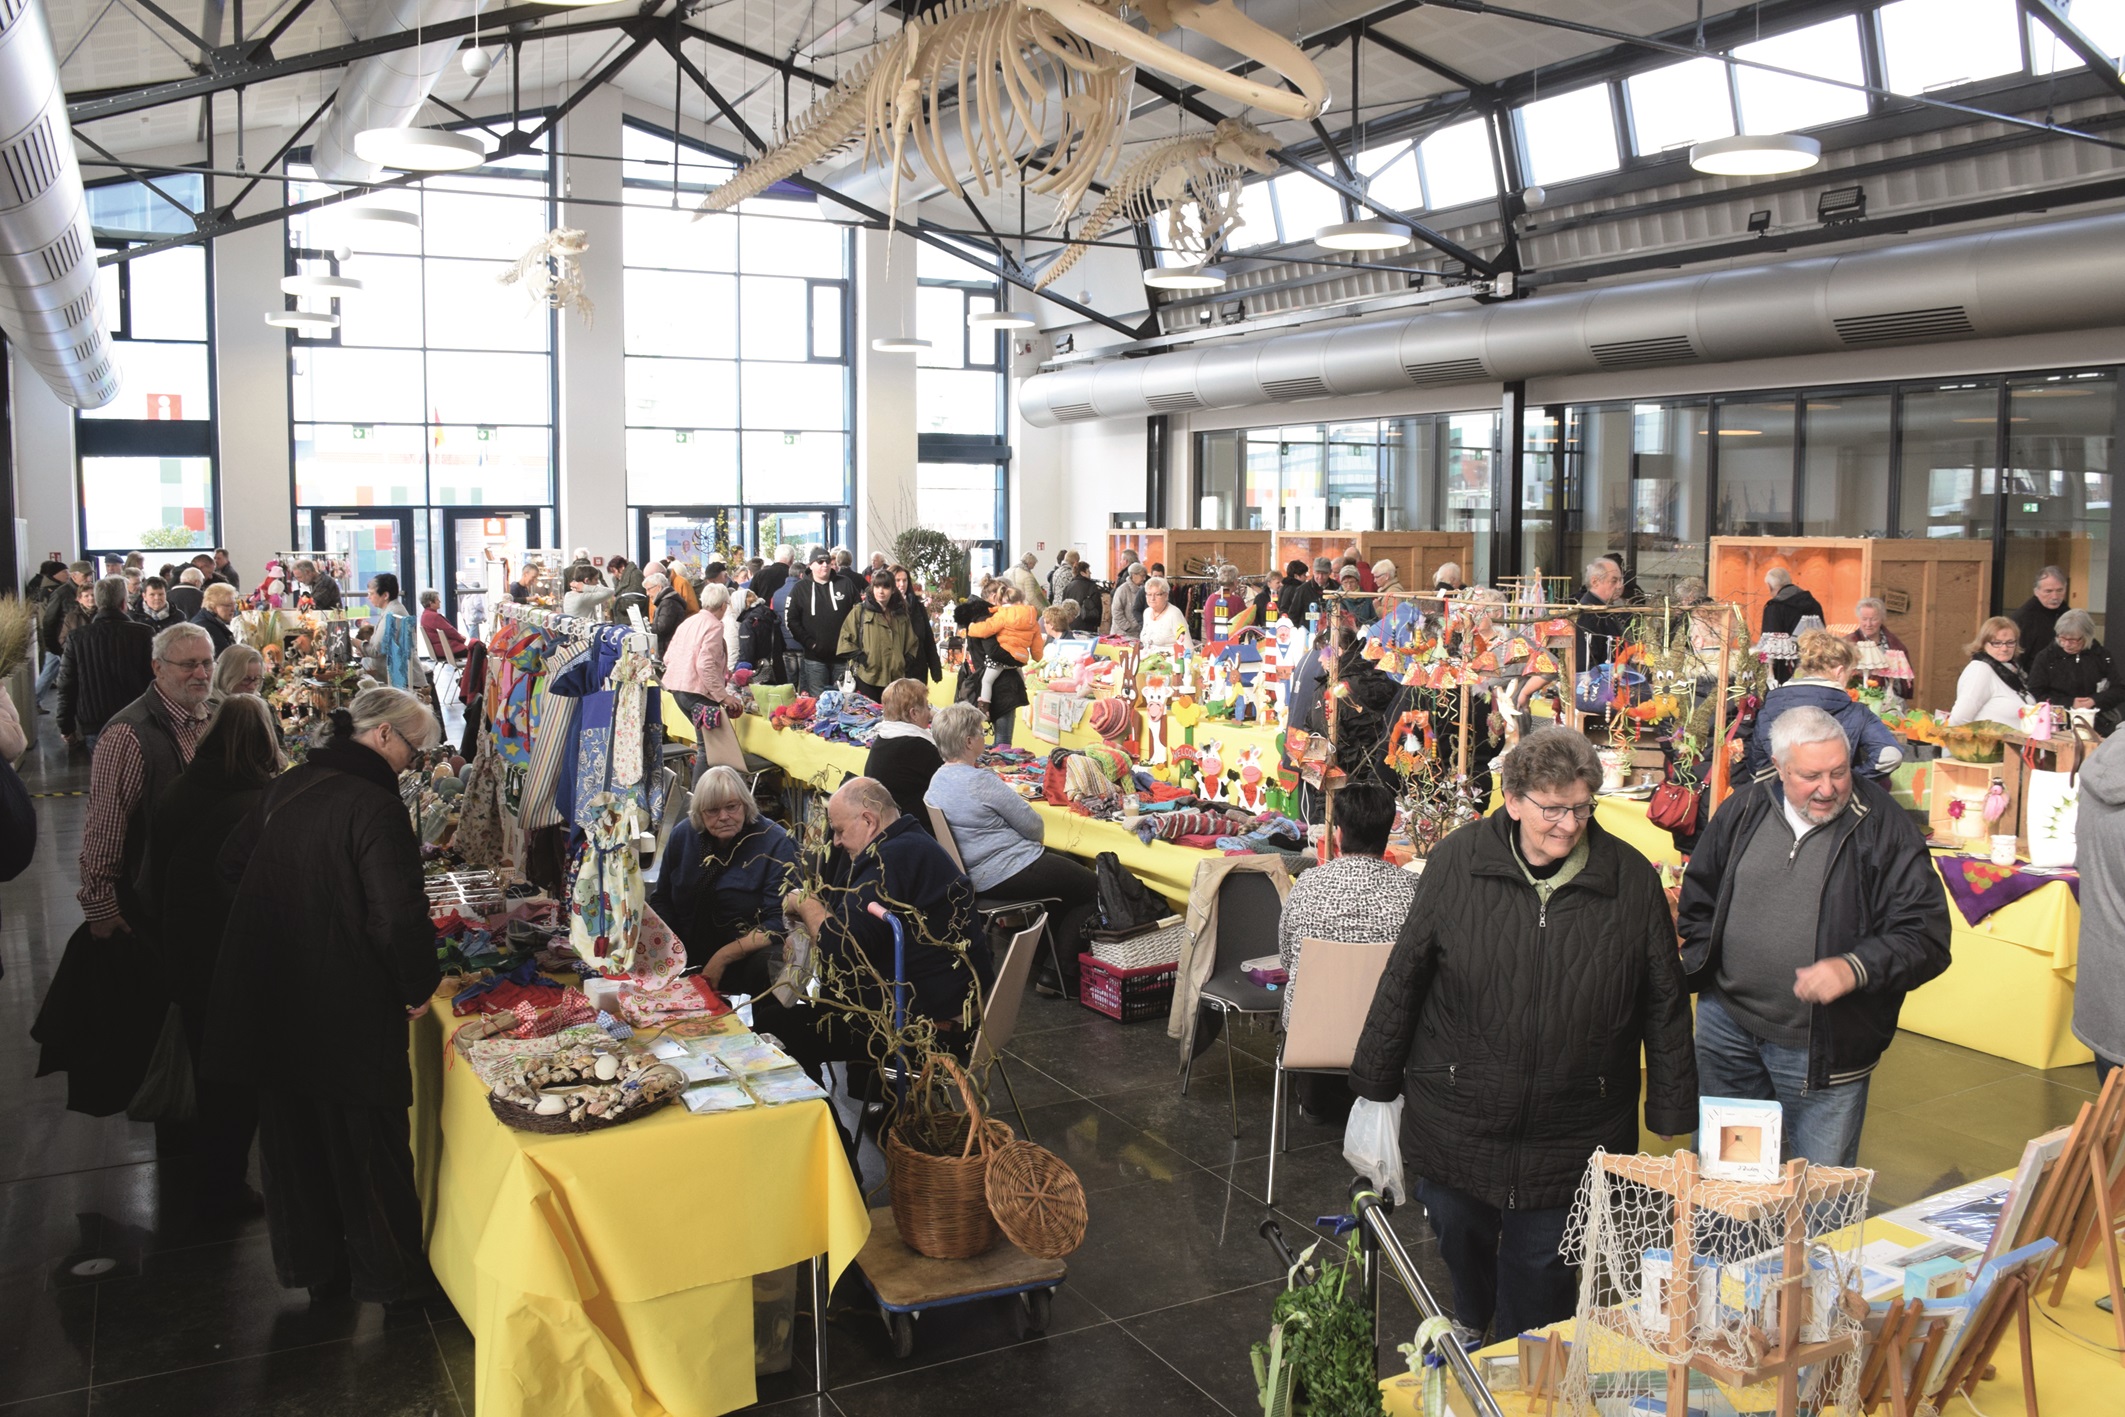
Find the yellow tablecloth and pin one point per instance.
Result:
(612, 1273)
(2008, 989)
(2073, 1379)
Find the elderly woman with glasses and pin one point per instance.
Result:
(726, 869)
(2074, 670)
(1992, 687)
(239, 669)
(1537, 959)
(1165, 627)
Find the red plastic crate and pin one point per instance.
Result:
(1126, 995)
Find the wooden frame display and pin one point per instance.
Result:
(1177, 546)
(1937, 591)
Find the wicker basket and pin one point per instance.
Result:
(525, 1120)
(1153, 947)
(941, 1203)
(1036, 1199)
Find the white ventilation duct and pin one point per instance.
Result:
(384, 90)
(2064, 275)
(48, 304)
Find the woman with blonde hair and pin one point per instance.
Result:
(720, 887)
(239, 670)
(903, 755)
(1819, 679)
(1992, 687)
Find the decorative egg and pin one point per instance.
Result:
(457, 762)
(448, 788)
(608, 1067)
(551, 1105)
(441, 770)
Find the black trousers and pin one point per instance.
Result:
(218, 1139)
(1507, 1266)
(1064, 879)
(339, 1196)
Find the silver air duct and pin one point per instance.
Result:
(2063, 275)
(48, 304)
(384, 90)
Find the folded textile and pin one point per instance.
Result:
(690, 996)
(1978, 887)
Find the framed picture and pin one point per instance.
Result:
(1739, 1139)
(339, 641)
(2038, 1157)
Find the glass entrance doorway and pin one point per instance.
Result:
(367, 541)
(693, 535)
(483, 550)
(801, 527)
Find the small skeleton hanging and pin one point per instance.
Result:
(550, 272)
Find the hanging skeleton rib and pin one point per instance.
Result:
(1013, 60)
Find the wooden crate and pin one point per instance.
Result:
(1417, 554)
(1148, 543)
(1970, 783)
(1248, 550)
(1937, 591)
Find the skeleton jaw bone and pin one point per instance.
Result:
(1219, 21)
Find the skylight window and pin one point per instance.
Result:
(1305, 206)
(1569, 135)
(1391, 176)
(1937, 44)
(1257, 218)
(1680, 104)
(2101, 20)
(1457, 167)
(1777, 103)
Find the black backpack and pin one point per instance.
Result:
(760, 642)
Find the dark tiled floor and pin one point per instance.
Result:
(1173, 1285)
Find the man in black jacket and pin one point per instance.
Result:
(186, 596)
(2038, 616)
(1537, 960)
(816, 609)
(770, 577)
(1809, 910)
(667, 608)
(1782, 613)
(110, 661)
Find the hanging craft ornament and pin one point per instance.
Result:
(551, 273)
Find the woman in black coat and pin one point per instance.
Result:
(928, 665)
(2075, 671)
(1537, 960)
(192, 821)
(328, 953)
(903, 756)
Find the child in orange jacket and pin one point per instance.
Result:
(1015, 627)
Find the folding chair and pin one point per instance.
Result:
(1248, 908)
(1326, 1018)
(988, 909)
(999, 1015)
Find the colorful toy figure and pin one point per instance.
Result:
(1210, 770)
(1249, 790)
(1995, 801)
(1158, 694)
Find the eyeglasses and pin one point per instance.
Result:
(1558, 811)
(190, 666)
(2011, 642)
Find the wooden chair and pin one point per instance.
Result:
(1326, 1018)
(1248, 908)
(990, 907)
(999, 1015)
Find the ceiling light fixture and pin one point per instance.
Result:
(1185, 277)
(1369, 235)
(308, 321)
(1000, 320)
(379, 214)
(1755, 155)
(324, 287)
(419, 149)
(900, 344)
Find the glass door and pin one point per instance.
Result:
(801, 527)
(367, 540)
(693, 535)
(483, 550)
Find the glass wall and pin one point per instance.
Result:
(736, 339)
(435, 393)
(2059, 434)
(963, 456)
(147, 461)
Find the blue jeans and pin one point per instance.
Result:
(49, 674)
(814, 677)
(1821, 1126)
(1507, 1266)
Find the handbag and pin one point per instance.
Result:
(167, 1091)
(1673, 808)
(717, 741)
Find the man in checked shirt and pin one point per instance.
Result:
(143, 747)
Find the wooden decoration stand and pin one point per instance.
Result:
(2089, 1183)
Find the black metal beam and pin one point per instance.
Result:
(641, 35)
(745, 51)
(1371, 35)
(227, 226)
(139, 176)
(263, 44)
(279, 153)
(921, 231)
(184, 31)
(233, 73)
(2071, 35)
(1901, 223)
(1183, 99)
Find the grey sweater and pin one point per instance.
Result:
(2099, 985)
(1771, 929)
(997, 832)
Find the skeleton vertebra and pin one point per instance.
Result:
(1200, 173)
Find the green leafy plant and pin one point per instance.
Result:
(935, 561)
(165, 538)
(1318, 1360)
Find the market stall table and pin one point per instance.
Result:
(611, 1273)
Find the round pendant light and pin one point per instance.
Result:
(379, 214)
(999, 320)
(1367, 235)
(1185, 277)
(419, 149)
(324, 287)
(900, 344)
(307, 321)
(1755, 155)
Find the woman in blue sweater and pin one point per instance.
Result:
(1826, 664)
(721, 883)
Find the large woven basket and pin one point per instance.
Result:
(1037, 1200)
(941, 1203)
(526, 1120)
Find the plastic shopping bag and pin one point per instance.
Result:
(1372, 1144)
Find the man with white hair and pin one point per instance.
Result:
(1027, 584)
(1810, 908)
(770, 578)
(185, 596)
